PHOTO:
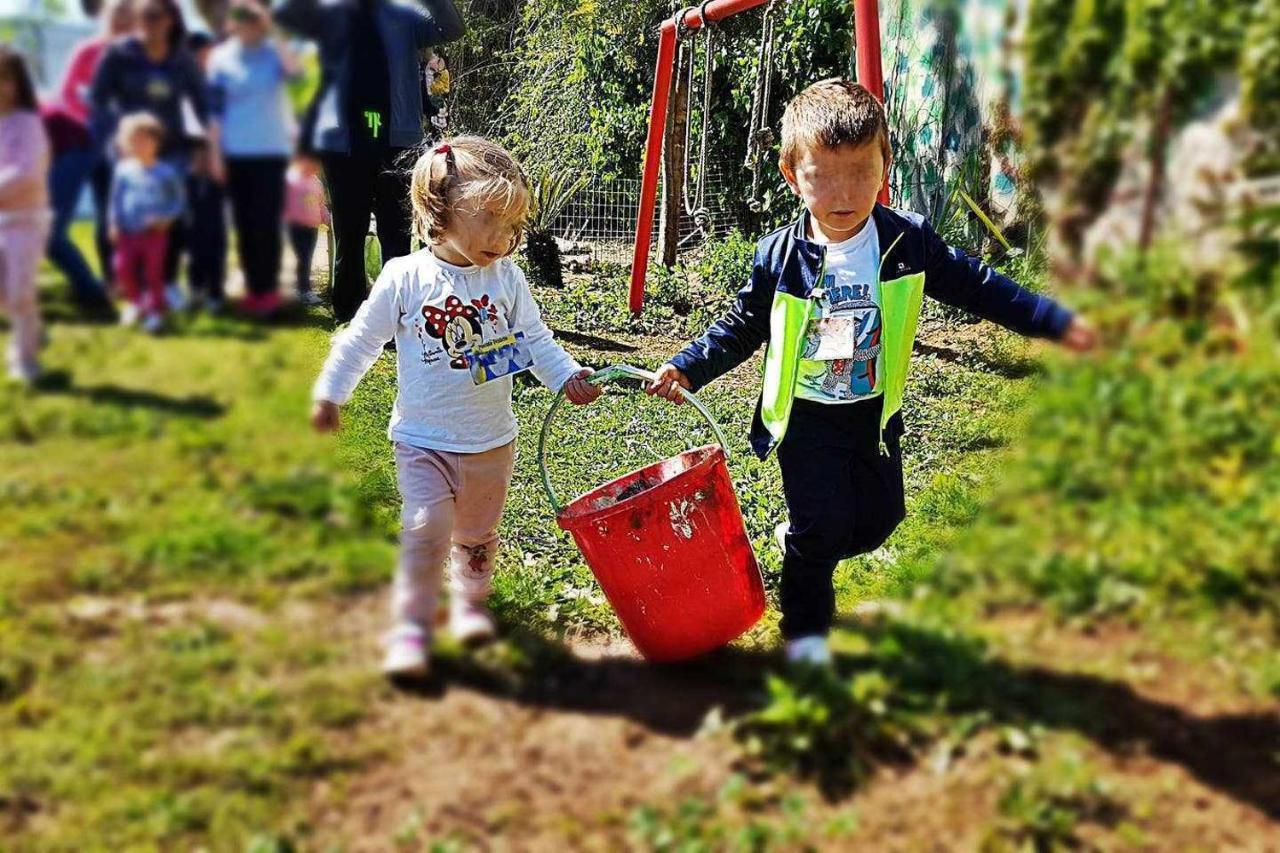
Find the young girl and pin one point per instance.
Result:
(304, 213)
(147, 197)
(24, 211)
(464, 322)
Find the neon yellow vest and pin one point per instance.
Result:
(900, 302)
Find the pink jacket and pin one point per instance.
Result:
(79, 76)
(24, 163)
(304, 200)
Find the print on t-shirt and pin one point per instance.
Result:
(845, 337)
(459, 328)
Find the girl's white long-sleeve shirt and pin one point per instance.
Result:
(441, 317)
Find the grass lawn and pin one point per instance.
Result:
(191, 583)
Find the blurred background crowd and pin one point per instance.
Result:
(230, 119)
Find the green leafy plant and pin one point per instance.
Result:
(827, 728)
(550, 195)
(1042, 810)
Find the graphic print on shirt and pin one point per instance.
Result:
(845, 337)
(456, 326)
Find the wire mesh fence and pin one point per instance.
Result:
(599, 222)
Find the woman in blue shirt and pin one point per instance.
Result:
(250, 134)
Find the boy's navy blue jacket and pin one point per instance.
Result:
(787, 261)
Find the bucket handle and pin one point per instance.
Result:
(612, 374)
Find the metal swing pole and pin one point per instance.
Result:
(867, 33)
(866, 38)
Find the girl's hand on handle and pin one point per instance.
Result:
(667, 384)
(579, 391)
(1080, 336)
(325, 416)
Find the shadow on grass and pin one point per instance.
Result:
(928, 672)
(978, 359)
(593, 341)
(59, 382)
(1232, 753)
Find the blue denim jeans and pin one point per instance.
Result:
(66, 183)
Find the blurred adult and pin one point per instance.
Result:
(151, 70)
(367, 112)
(78, 156)
(250, 132)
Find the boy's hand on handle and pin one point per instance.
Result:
(667, 384)
(325, 416)
(579, 391)
(1080, 336)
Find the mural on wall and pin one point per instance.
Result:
(948, 64)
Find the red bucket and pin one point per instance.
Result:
(668, 545)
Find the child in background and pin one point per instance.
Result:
(207, 230)
(304, 213)
(836, 296)
(24, 212)
(465, 322)
(146, 198)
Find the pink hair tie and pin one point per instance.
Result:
(443, 148)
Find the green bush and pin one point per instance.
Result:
(1150, 475)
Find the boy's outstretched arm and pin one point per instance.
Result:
(730, 341)
(953, 277)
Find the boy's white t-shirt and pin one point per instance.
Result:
(450, 324)
(841, 360)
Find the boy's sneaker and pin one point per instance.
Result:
(310, 297)
(809, 651)
(129, 315)
(780, 536)
(153, 324)
(470, 623)
(406, 655)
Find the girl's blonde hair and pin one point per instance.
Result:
(141, 122)
(462, 169)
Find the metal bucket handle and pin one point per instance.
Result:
(600, 377)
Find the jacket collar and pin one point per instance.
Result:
(802, 266)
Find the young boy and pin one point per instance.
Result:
(836, 296)
(147, 196)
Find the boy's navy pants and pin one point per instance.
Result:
(844, 498)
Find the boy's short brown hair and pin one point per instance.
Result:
(831, 113)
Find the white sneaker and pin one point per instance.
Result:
(24, 373)
(129, 315)
(780, 535)
(810, 651)
(310, 298)
(153, 324)
(406, 655)
(175, 297)
(469, 622)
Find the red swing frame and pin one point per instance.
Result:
(867, 37)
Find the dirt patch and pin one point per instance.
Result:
(562, 757)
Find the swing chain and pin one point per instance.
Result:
(760, 136)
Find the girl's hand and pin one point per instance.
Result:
(581, 392)
(218, 170)
(670, 379)
(1080, 336)
(325, 416)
